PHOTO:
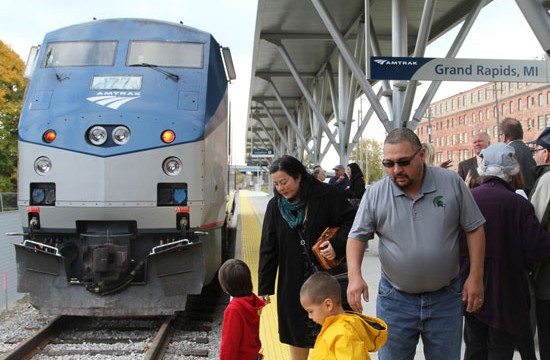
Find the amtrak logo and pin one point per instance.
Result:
(396, 62)
(439, 201)
(113, 99)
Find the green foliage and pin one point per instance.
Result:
(368, 154)
(12, 88)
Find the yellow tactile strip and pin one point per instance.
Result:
(251, 230)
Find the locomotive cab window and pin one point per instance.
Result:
(167, 54)
(80, 53)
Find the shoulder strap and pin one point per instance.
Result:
(306, 251)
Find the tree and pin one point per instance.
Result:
(12, 88)
(368, 154)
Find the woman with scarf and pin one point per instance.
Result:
(302, 207)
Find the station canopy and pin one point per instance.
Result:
(308, 68)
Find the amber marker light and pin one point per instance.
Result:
(49, 136)
(168, 136)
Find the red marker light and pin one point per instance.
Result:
(49, 136)
(168, 136)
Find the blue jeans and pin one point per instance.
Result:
(436, 316)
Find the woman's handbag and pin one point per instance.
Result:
(342, 277)
(329, 233)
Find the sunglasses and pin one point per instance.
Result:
(535, 150)
(401, 162)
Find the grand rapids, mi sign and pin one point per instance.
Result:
(410, 68)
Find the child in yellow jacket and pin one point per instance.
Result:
(344, 335)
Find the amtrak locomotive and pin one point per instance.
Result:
(123, 167)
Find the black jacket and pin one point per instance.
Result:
(280, 249)
(356, 187)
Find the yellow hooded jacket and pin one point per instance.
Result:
(349, 336)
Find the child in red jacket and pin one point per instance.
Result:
(241, 318)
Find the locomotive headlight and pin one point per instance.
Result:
(97, 135)
(172, 166)
(121, 135)
(42, 165)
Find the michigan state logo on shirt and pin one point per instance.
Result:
(439, 201)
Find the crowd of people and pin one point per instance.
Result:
(465, 257)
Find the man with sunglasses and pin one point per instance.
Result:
(540, 198)
(418, 211)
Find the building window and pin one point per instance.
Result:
(495, 131)
(511, 86)
(520, 104)
(541, 122)
(473, 97)
(529, 102)
(465, 119)
(511, 107)
(547, 120)
(541, 100)
(465, 138)
(503, 109)
(488, 114)
(488, 93)
(480, 116)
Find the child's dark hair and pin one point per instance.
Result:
(321, 286)
(235, 279)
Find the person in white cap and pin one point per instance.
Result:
(540, 198)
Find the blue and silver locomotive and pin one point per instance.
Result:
(123, 167)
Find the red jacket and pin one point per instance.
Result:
(241, 329)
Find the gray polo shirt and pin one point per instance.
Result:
(418, 237)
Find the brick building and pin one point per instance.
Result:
(453, 121)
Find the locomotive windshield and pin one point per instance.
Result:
(167, 54)
(80, 53)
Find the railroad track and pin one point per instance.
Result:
(185, 335)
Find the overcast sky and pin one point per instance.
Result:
(500, 32)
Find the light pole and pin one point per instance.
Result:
(495, 91)
(429, 124)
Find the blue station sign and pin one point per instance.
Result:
(411, 68)
(262, 153)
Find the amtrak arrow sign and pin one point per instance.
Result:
(411, 68)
